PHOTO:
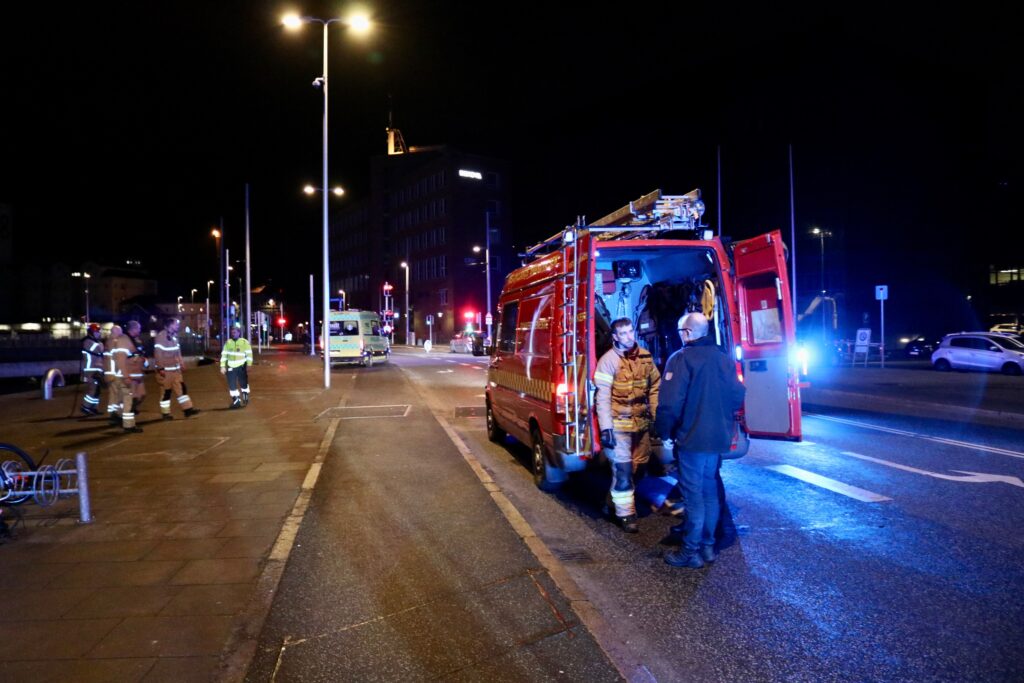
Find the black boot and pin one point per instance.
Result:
(629, 525)
(189, 412)
(236, 404)
(245, 398)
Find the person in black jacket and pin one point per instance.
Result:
(700, 393)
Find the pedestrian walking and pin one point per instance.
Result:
(110, 375)
(627, 400)
(170, 370)
(92, 370)
(235, 360)
(700, 396)
(129, 366)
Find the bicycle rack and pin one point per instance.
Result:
(46, 485)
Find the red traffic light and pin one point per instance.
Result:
(469, 315)
(281, 321)
(388, 287)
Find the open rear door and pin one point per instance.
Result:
(767, 333)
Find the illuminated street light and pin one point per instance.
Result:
(359, 24)
(208, 283)
(344, 298)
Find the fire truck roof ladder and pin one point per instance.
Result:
(645, 217)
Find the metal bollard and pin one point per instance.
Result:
(51, 374)
(84, 513)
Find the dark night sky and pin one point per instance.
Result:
(142, 122)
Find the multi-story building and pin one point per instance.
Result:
(428, 208)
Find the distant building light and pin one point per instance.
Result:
(5, 328)
(475, 175)
(31, 327)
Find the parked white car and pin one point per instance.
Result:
(979, 351)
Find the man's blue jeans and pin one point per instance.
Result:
(700, 491)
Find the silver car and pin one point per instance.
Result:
(979, 351)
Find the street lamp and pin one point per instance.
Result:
(487, 267)
(818, 232)
(344, 298)
(208, 283)
(220, 286)
(85, 279)
(359, 24)
(405, 266)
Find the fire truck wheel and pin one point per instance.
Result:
(494, 432)
(539, 463)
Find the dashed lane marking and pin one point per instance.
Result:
(829, 484)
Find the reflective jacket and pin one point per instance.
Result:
(92, 355)
(235, 353)
(167, 352)
(129, 359)
(627, 389)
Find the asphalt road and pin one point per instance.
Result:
(885, 546)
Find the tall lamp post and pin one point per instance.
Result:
(405, 266)
(344, 298)
(220, 280)
(822, 234)
(360, 24)
(208, 283)
(85, 279)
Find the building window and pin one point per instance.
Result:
(442, 296)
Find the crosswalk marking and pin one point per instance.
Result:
(830, 484)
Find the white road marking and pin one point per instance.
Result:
(444, 372)
(964, 476)
(935, 439)
(830, 484)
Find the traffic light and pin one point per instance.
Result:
(387, 289)
(281, 322)
(469, 315)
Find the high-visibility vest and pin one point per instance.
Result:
(235, 353)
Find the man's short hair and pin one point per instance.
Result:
(169, 321)
(132, 323)
(619, 323)
(697, 323)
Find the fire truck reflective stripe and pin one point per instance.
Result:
(536, 388)
(603, 378)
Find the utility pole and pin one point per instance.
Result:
(248, 274)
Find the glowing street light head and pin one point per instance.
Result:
(292, 21)
(476, 249)
(360, 23)
(404, 264)
(215, 232)
(815, 231)
(309, 189)
(338, 191)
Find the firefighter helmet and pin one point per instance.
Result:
(93, 328)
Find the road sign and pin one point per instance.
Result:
(488, 319)
(430, 319)
(863, 339)
(881, 292)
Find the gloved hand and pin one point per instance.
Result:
(607, 438)
(223, 370)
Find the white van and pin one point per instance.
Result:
(357, 337)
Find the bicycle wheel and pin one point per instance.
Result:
(25, 458)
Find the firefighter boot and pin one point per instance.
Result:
(133, 430)
(245, 398)
(89, 410)
(189, 412)
(628, 524)
(236, 403)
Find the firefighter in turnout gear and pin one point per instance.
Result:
(626, 400)
(110, 375)
(129, 365)
(170, 368)
(92, 370)
(235, 359)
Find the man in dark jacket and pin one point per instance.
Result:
(700, 393)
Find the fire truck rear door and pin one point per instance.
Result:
(767, 333)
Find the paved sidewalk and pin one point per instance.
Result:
(185, 517)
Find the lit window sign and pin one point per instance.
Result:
(475, 175)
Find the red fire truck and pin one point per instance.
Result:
(651, 261)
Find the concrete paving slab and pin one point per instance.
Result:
(226, 599)
(236, 570)
(52, 639)
(183, 670)
(245, 546)
(51, 603)
(127, 601)
(104, 574)
(188, 636)
(77, 670)
(186, 549)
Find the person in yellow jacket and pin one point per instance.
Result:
(235, 359)
(92, 370)
(626, 400)
(110, 375)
